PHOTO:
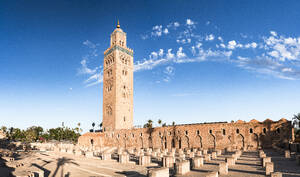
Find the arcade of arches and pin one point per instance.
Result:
(238, 135)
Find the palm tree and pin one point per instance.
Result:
(173, 123)
(296, 119)
(159, 121)
(149, 123)
(93, 124)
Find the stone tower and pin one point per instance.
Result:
(118, 83)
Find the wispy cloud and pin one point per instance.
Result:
(274, 54)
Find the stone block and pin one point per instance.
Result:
(212, 174)
(123, 158)
(154, 154)
(230, 161)
(78, 152)
(269, 168)
(276, 174)
(265, 160)
(182, 167)
(205, 152)
(144, 160)
(182, 156)
(106, 156)
(22, 173)
(207, 157)
(214, 155)
(223, 168)
(191, 155)
(159, 172)
(168, 161)
(199, 153)
(198, 162)
(89, 154)
(70, 151)
(234, 156)
(287, 154)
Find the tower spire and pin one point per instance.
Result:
(118, 25)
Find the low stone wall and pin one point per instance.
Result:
(212, 136)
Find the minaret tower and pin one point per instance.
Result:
(118, 83)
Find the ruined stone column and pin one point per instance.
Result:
(182, 167)
(168, 161)
(287, 154)
(265, 160)
(230, 161)
(198, 162)
(223, 168)
(159, 172)
(269, 168)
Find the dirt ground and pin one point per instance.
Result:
(68, 165)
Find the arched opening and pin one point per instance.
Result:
(185, 142)
(211, 142)
(165, 143)
(150, 142)
(199, 142)
(240, 141)
(173, 143)
(141, 142)
(179, 143)
(254, 142)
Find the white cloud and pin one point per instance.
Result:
(161, 52)
(153, 55)
(220, 38)
(89, 44)
(176, 24)
(273, 33)
(170, 55)
(207, 23)
(209, 37)
(253, 45)
(169, 70)
(166, 31)
(223, 45)
(189, 22)
(231, 44)
(84, 69)
(287, 70)
(157, 30)
(180, 53)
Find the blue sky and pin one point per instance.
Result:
(195, 61)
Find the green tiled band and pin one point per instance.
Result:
(118, 48)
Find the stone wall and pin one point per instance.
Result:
(236, 135)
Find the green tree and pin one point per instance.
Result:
(93, 124)
(159, 121)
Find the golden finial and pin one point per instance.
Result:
(118, 25)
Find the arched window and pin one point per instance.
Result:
(124, 118)
(224, 132)
(251, 130)
(237, 131)
(210, 131)
(278, 130)
(198, 132)
(186, 132)
(265, 130)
